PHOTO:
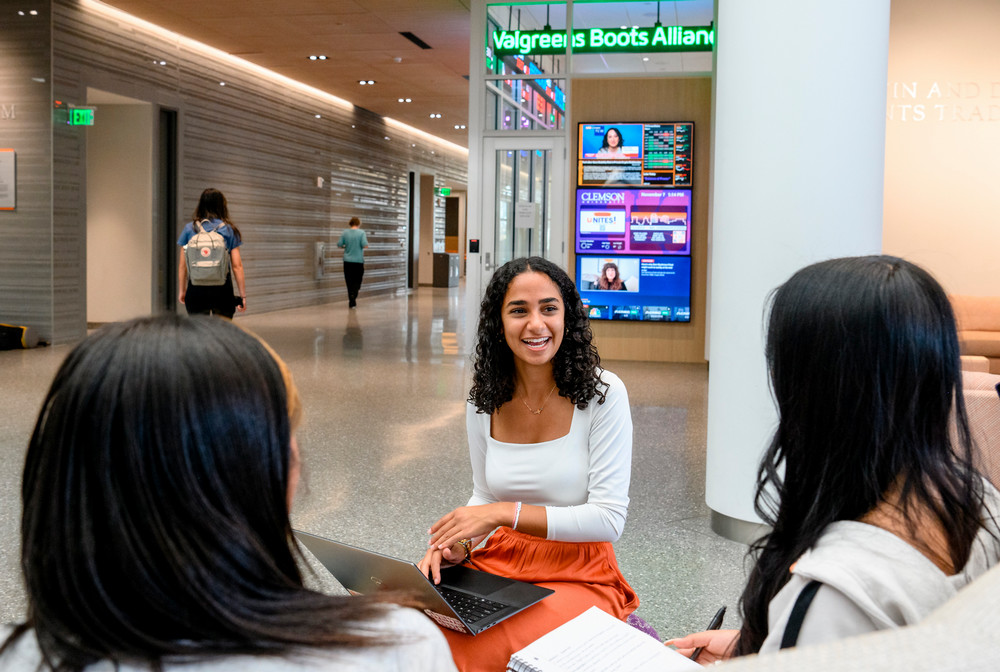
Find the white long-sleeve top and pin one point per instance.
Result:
(582, 478)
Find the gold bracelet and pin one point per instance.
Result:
(467, 545)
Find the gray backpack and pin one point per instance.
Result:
(206, 256)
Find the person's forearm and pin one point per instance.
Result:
(182, 273)
(240, 283)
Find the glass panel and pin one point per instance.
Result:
(526, 104)
(525, 173)
(504, 248)
(620, 16)
(522, 234)
(540, 194)
(505, 20)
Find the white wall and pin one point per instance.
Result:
(120, 213)
(942, 174)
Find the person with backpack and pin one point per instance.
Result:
(210, 259)
(354, 241)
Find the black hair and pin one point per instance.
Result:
(604, 142)
(212, 205)
(576, 365)
(155, 504)
(863, 358)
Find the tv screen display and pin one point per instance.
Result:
(646, 154)
(628, 220)
(647, 289)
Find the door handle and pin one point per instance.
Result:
(488, 265)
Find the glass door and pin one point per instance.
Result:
(524, 195)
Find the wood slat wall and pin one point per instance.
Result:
(681, 99)
(257, 139)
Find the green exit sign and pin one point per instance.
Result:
(444, 191)
(81, 116)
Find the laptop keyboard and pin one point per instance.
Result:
(470, 607)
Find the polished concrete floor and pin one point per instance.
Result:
(385, 454)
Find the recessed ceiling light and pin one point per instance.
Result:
(459, 127)
(163, 62)
(645, 58)
(33, 12)
(320, 57)
(405, 100)
(387, 137)
(435, 115)
(222, 83)
(319, 116)
(363, 82)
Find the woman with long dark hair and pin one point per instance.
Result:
(877, 514)
(155, 532)
(610, 277)
(550, 439)
(212, 214)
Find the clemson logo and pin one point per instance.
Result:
(205, 251)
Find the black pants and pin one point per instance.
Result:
(211, 300)
(353, 273)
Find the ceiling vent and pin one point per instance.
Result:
(416, 40)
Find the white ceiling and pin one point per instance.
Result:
(362, 40)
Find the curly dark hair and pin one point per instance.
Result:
(576, 365)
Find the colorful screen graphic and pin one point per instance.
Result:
(633, 221)
(647, 289)
(648, 154)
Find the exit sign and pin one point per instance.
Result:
(444, 191)
(81, 116)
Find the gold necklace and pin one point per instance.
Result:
(544, 401)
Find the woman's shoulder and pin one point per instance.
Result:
(21, 654)
(416, 644)
(612, 383)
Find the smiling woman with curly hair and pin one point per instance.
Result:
(550, 439)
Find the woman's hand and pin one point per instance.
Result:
(468, 522)
(430, 564)
(716, 645)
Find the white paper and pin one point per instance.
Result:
(525, 215)
(596, 641)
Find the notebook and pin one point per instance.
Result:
(466, 600)
(596, 641)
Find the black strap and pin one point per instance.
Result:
(798, 614)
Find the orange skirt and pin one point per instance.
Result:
(582, 575)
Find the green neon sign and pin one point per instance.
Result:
(81, 116)
(604, 40)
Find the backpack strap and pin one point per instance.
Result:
(199, 225)
(798, 614)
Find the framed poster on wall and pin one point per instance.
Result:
(8, 179)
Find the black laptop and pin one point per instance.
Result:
(466, 600)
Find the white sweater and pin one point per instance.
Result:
(582, 478)
(419, 646)
(873, 580)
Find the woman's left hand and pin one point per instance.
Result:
(468, 522)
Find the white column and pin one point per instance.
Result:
(798, 138)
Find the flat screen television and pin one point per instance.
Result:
(656, 154)
(643, 288)
(630, 220)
